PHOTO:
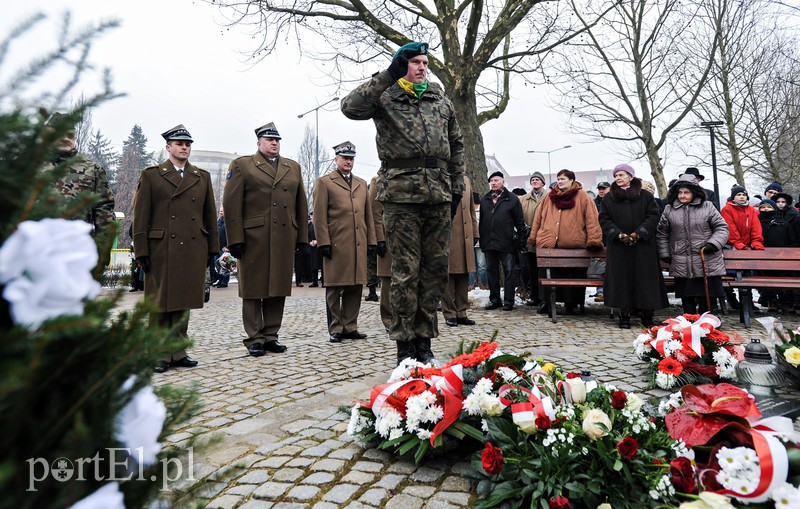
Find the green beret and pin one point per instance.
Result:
(412, 49)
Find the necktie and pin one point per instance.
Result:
(180, 172)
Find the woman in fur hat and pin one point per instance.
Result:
(629, 216)
(689, 225)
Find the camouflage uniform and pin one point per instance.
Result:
(422, 166)
(85, 175)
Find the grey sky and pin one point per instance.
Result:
(178, 65)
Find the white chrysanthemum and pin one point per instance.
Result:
(387, 419)
(508, 375)
(403, 370)
(395, 433)
(357, 421)
(424, 434)
(671, 346)
(664, 380)
(434, 414)
(786, 496)
(484, 426)
(472, 404)
(483, 386)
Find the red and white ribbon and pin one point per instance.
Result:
(690, 333)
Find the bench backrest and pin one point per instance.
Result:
(771, 258)
(548, 258)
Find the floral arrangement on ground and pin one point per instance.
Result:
(689, 349)
(788, 355)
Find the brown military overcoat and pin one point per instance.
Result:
(343, 220)
(175, 224)
(384, 262)
(463, 235)
(267, 210)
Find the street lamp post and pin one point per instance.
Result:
(316, 133)
(711, 125)
(548, 152)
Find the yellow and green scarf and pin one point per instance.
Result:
(417, 89)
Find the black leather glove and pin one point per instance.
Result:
(709, 248)
(299, 246)
(399, 67)
(326, 251)
(370, 251)
(237, 250)
(381, 248)
(144, 261)
(455, 201)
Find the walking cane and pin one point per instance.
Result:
(705, 278)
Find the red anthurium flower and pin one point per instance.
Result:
(670, 366)
(628, 447)
(492, 459)
(709, 408)
(682, 475)
(559, 502)
(618, 400)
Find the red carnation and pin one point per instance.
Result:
(543, 423)
(682, 474)
(573, 375)
(618, 400)
(492, 459)
(628, 447)
(559, 502)
(670, 366)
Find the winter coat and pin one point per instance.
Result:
(267, 211)
(175, 224)
(777, 230)
(633, 273)
(410, 130)
(684, 228)
(500, 222)
(223, 237)
(529, 203)
(569, 228)
(744, 226)
(463, 235)
(384, 267)
(343, 220)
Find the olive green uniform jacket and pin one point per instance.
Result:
(343, 220)
(266, 209)
(175, 224)
(409, 131)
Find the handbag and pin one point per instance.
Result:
(597, 268)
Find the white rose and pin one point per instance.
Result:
(107, 497)
(604, 506)
(591, 422)
(140, 422)
(634, 402)
(46, 267)
(716, 501)
(578, 389)
(490, 405)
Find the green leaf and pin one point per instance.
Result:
(469, 430)
(501, 492)
(409, 445)
(424, 445)
(454, 432)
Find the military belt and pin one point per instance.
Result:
(420, 162)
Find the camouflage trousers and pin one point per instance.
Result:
(418, 238)
(372, 270)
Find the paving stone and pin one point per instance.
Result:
(257, 504)
(320, 478)
(224, 502)
(419, 491)
(300, 462)
(241, 489)
(289, 505)
(404, 501)
(325, 505)
(426, 475)
(377, 455)
(340, 493)
(357, 477)
(328, 465)
(452, 497)
(271, 489)
(367, 466)
(303, 492)
(390, 481)
(287, 474)
(216, 423)
(402, 467)
(374, 496)
(455, 483)
(296, 426)
(346, 454)
(255, 477)
(316, 452)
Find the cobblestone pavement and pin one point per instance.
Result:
(278, 415)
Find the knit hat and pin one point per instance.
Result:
(736, 189)
(496, 174)
(537, 175)
(775, 186)
(767, 201)
(649, 186)
(626, 168)
(785, 196)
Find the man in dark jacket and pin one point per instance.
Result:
(220, 280)
(501, 222)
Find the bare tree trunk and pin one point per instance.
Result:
(466, 107)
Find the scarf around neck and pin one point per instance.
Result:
(417, 89)
(564, 200)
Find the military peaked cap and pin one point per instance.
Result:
(412, 49)
(345, 148)
(267, 131)
(177, 133)
(56, 118)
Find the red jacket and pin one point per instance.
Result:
(745, 228)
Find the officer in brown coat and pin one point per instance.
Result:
(461, 261)
(266, 216)
(175, 234)
(345, 237)
(384, 265)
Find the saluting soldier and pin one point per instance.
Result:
(420, 184)
(175, 235)
(266, 215)
(345, 237)
(83, 175)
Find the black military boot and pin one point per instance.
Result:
(689, 305)
(647, 318)
(624, 320)
(405, 350)
(423, 348)
(372, 295)
(730, 297)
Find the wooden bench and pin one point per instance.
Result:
(769, 259)
(547, 258)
